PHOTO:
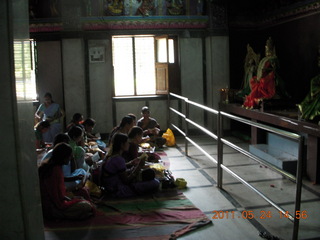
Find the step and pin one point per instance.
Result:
(275, 156)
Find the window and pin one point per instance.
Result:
(141, 64)
(25, 70)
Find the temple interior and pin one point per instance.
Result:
(211, 54)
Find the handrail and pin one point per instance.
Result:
(221, 141)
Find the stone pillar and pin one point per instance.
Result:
(217, 56)
(20, 209)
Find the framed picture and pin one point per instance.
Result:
(97, 54)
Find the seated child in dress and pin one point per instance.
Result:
(135, 136)
(39, 129)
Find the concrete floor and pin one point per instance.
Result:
(228, 204)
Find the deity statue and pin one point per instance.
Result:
(267, 84)
(250, 69)
(175, 7)
(310, 106)
(146, 8)
(115, 7)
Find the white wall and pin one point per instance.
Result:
(101, 84)
(191, 59)
(217, 72)
(101, 81)
(74, 77)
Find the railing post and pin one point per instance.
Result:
(298, 190)
(168, 110)
(187, 125)
(220, 149)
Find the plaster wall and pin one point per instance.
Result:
(191, 59)
(74, 77)
(101, 88)
(217, 72)
(49, 74)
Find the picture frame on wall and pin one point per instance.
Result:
(97, 54)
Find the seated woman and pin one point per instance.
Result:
(125, 125)
(89, 125)
(82, 160)
(55, 203)
(39, 129)
(52, 112)
(121, 181)
(135, 138)
(77, 120)
(74, 179)
(151, 128)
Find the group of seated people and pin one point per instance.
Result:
(119, 170)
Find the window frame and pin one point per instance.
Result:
(161, 73)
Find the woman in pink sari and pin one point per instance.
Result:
(55, 203)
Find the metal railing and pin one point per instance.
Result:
(221, 141)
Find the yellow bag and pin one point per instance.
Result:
(94, 190)
(168, 135)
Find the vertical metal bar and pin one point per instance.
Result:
(297, 213)
(187, 125)
(220, 150)
(168, 110)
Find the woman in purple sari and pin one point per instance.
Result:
(50, 111)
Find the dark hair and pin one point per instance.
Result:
(89, 122)
(134, 117)
(61, 137)
(117, 140)
(134, 131)
(48, 95)
(125, 120)
(145, 109)
(76, 117)
(75, 132)
(59, 154)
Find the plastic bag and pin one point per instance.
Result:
(169, 136)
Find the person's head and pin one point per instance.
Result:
(61, 154)
(126, 123)
(145, 112)
(120, 143)
(48, 98)
(77, 118)
(76, 133)
(61, 138)
(89, 124)
(43, 126)
(136, 133)
(134, 117)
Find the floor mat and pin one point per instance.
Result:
(165, 215)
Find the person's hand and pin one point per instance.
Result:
(80, 177)
(135, 161)
(144, 156)
(89, 160)
(142, 162)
